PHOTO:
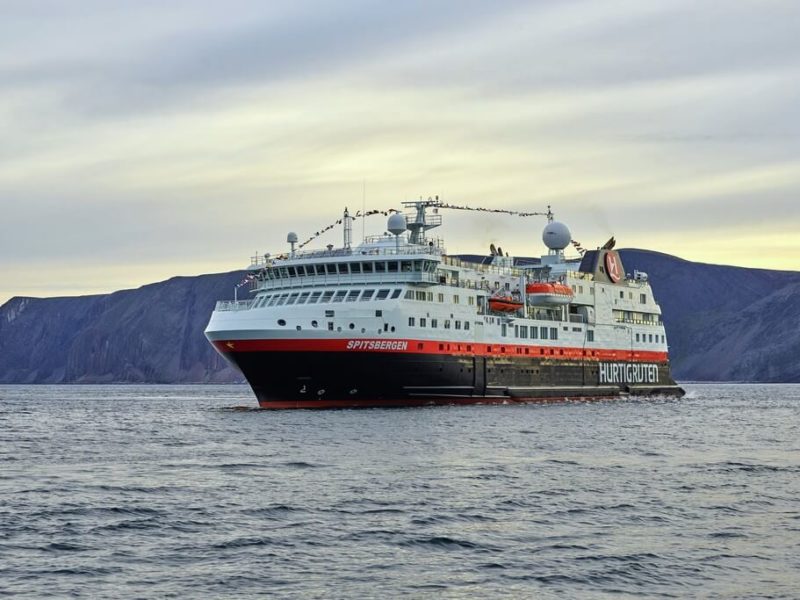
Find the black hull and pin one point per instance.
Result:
(348, 380)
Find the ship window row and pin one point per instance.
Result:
(650, 338)
(446, 323)
(533, 332)
(428, 297)
(324, 297)
(353, 268)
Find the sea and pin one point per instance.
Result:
(149, 491)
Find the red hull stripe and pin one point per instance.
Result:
(405, 346)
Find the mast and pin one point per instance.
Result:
(348, 229)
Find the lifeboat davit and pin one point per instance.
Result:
(504, 304)
(548, 293)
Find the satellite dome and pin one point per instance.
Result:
(397, 224)
(556, 236)
(292, 237)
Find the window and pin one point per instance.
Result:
(342, 268)
(554, 333)
(314, 297)
(455, 299)
(651, 338)
(471, 300)
(352, 295)
(466, 325)
(447, 323)
(458, 324)
(534, 332)
(504, 330)
(378, 313)
(282, 299)
(434, 323)
(410, 321)
(409, 295)
(392, 266)
(405, 266)
(314, 324)
(423, 322)
(273, 300)
(367, 267)
(292, 298)
(441, 297)
(642, 298)
(340, 295)
(303, 297)
(421, 296)
(516, 330)
(637, 337)
(291, 271)
(543, 332)
(580, 289)
(367, 295)
(396, 293)
(380, 267)
(630, 295)
(330, 313)
(382, 294)
(429, 297)
(330, 325)
(590, 335)
(622, 295)
(523, 332)
(326, 297)
(355, 268)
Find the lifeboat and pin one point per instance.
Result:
(505, 304)
(548, 293)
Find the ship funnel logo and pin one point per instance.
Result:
(612, 267)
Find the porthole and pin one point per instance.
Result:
(392, 329)
(314, 324)
(352, 325)
(282, 322)
(298, 328)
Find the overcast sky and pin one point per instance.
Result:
(144, 139)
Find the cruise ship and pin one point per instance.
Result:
(395, 321)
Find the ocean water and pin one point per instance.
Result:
(169, 492)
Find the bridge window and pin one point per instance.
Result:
(405, 266)
(352, 295)
(292, 298)
(340, 295)
(396, 294)
(382, 294)
(291, 271)
(314, 297)
(380, 267)
(326, 297)
(367, 267)
(343, 268)
(392, 266)
(367, 295)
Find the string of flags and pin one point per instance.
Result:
(581, 250)
(358, 215)
(247, 279)
(495, 210)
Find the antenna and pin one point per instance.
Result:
(363, 210)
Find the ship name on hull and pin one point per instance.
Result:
(395, 345)
(628, 373)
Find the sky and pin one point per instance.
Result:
(145, 139)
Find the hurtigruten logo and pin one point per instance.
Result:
(391, 345)
(628, 373)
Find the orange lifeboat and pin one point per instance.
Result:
(505, 304)
(548, 293)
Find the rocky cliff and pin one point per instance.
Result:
(723, 323)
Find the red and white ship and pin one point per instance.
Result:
(395, 321)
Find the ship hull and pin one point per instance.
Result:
(331, 379)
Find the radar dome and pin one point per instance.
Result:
(556, 236)
(292, 237)
(397, 224)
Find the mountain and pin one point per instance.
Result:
(150, 334)
(723, 323)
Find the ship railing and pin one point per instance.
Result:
(229, 305)
(401, 250)
(463, 264)
(422, 277)
(576, 319)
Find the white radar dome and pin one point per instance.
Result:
(397, 224)
(556, 236)
(292, 237)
